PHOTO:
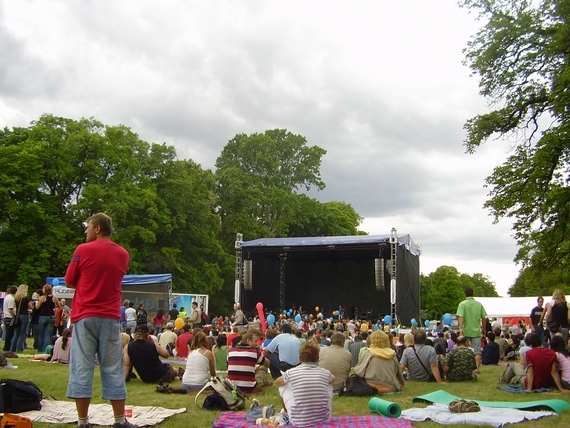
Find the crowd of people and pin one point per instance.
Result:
(301, 356)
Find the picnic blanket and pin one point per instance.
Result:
(238, 420)
(444, 397)
(64, 412)
(495, 417)
(519, 389)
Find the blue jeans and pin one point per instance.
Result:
(101, 338)
(9, 334)
(19, 340)
(540, 331)
(45, 327)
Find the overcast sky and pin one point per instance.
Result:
(380, 85)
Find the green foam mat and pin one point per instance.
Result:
(444, 397)
(385, 408)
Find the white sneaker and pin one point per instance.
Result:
(10, 366)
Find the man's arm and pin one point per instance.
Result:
(460, 322)
(161, 351)
(435, 371)
(279, 381)
(126, 362)
(532, 326)
(529, 378)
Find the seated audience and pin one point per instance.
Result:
(143, 354)
(62, 347)
(183, 341)
(283, 351)
(220, 351)
(563, 359)
(421, 360)
(501, 341)
(379, 364)
(200, 364)
(460, 362)
(354, 348)
(336, 360)
(167, 338)
(491, 350)
(245, 360)
(306, 390)
(541, 367)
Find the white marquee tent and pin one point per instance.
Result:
(509, 307)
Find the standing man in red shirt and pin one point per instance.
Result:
(96, 272)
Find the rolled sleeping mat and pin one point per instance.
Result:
(385, 408)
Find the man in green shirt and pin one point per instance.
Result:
(472, 320)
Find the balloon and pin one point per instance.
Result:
(396, 330)
(331, 320)
(426, 323)
(320, 315)
(311, 316)
(270, 319)
(285, 311)
(297, 318)
(55, 282)
(179, 323)
(261, 314)
(387, 319)
(413, 321)
(306, 318)
(316, 309)
(447, 319)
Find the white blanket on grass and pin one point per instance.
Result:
(491, 416)
(64, 412)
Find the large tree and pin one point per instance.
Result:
(259, 177)
(522, 57)
(59, 171)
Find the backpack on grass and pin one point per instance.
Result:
(232, 395)
(18, 396)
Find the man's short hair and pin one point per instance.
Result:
(534, 340)
(286, 328)
(338, 339)
(194, 303)
(420, 337)
(461, 340)
(491, 336)
(103, 221)
(468, 292)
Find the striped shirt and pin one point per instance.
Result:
(241, 367)
(312, 393)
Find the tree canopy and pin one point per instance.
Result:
(442, 290)
(521, 56)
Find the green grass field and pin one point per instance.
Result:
(52, 379)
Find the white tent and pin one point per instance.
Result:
(509, 307)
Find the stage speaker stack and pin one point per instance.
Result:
(379, 274)
(247, 275)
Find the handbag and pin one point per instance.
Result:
(16, 318)
(356, 386)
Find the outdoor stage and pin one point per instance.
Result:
(326, 272)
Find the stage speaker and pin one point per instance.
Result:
(247, 275)
(379, 274)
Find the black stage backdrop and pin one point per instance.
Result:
(286, 276)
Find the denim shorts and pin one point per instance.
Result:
(476, 344)
(96, 338)
(187, 387)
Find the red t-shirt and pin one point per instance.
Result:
(97, 270)
(182, 344)
(541, 360)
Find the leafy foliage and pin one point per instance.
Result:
(59, 171)
(442, 290)
(521, 56)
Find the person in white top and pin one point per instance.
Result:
(200, 364)
(131, 316)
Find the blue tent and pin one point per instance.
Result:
(127, 279)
